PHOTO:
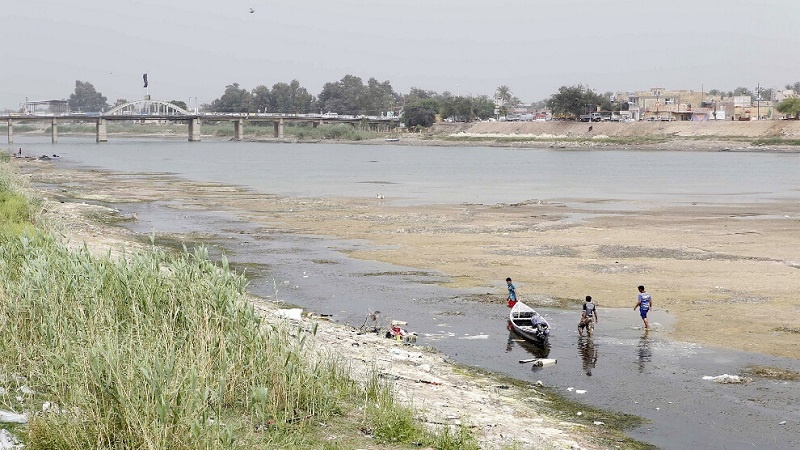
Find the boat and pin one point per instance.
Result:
(528, 324)
(392, 139)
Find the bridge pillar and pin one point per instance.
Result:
(279, 128)
(238, 129)
(10, 131)
(194, 130)
(102, 134)
(54, 130)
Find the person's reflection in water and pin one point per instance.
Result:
(643, 349)
(588, 354)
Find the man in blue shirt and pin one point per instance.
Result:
(644, 302)
(512, 293)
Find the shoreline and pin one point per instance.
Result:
(765, 136)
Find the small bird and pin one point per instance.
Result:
(590, 128)
(380, 196)
(252, 10)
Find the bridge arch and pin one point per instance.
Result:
(146, 108)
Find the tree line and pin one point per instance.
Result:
(420, 107)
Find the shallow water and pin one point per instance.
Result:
(632, 371)
(600, 180)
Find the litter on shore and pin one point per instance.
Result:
(291, 314)
(728, 379)
(12, 417)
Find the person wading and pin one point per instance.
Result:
(588, 316)
(645, 303)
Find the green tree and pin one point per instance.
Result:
(422, 114)
(180, 104)
(344, 96)
(790, 107)
(503, 95)
(290, 98)
(573, 101)
(302, 100)
(466, 109)
(483, 107)
(261, 99)
(120, 101)
(379, 98)
(86, 98)
(457, 108)
(415, 95)
(235, 99)
(569, 101)
(597, 101)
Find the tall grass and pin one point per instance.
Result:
(19, 128)
(121, 127)
(337, 131)
(17, 211)
(153, 350)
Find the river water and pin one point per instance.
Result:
(639, 373)
(427, 175)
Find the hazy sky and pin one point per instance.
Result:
(194, 48)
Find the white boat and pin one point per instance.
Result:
(528, 323)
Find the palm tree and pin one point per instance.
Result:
(503, 96)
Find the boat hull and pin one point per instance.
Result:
(528, 324)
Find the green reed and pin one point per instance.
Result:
(157, 350)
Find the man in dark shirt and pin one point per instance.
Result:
(588, 316)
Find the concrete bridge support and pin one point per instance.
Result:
(10, 131)
(278, 127)
(238, 129)
(102, 133)
(194, 130)
(54, 130)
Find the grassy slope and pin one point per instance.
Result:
(153, 350)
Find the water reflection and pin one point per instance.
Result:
(643, 351)
(536, 351)
(588, 353)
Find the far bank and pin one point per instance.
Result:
(757, 136)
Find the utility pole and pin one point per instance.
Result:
(758, 101)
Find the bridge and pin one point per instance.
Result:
(156, 110)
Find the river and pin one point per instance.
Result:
(640, 373)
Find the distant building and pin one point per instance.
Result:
(44, 107)
(783, 95)
(660, 104)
